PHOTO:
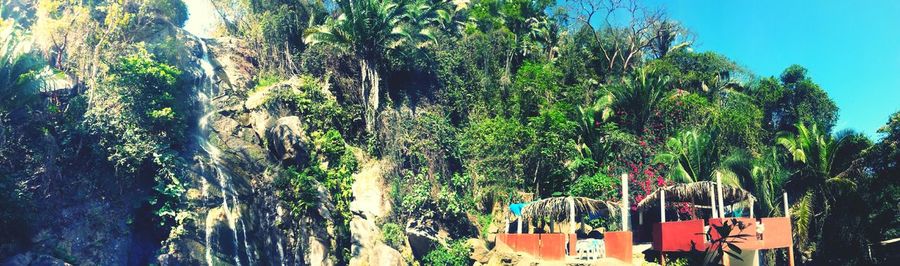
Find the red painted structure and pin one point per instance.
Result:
(553, 247)
(679, 236)
(618, 245)
(550, 247)
(747, 242)
(777, 233)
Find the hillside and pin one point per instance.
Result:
(376, 132)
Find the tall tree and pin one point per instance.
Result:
(796, 99)
(637, 99)
(693, 156)
(815, 178)
(369, 29)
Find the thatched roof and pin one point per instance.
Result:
(696, 192)
(557, 208)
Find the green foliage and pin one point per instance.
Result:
(553, 144)
(275, 29)
(797, 99)
(265, 80)
(597, 186)
(393, 235)
(691, 156)
(304, 96)
(699, 72)
(411, 193)
(370, 28)
(880, 192)
(137, 110)
(493, 151)
(299, 189)
(824, 186)
(484, 222)
(455, 198)
(738, 123)
(684, 111)
(456, 253)
(637, 100)
(536, 86)
(173, 10)
(19, 72)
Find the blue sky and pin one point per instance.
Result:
(851, 48)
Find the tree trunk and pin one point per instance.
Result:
(369, 92)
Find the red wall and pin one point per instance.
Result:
(749, 242)
(777, 233)
(618, 245)
(542, 246)
(679, 236)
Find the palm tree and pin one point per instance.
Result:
(693, 156)
(369, 29)
(590, 121)
(20, 72)
(638, 98)
(815, 178)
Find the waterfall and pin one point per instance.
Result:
(200, 23)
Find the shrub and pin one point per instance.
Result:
(298, 189)
(393, 235)
(454, 254)
(597, 186)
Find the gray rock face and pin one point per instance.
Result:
(479, 251)
(421, 238)
(287, 141)
(31, 259)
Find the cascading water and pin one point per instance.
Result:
(200, 23)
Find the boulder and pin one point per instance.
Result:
(318, 252)
(421, 238)
(287, 141)
(478, 250)
(261, 122)
(385, 255)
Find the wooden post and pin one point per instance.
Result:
(712, 202)
(572, 215)
(571, 225)
(519, 224)
(506, 222)
(721, 212)
(787, 213)
(625, 205)
(751, 209)
(721, 197)
(662, 219)
(662, 206)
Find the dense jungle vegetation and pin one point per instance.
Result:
(474, 101)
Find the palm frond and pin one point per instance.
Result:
(697, 192)
(558, 208)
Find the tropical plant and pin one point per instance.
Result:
(595, 135)
(369, 29)
(720, 246)
(20, 79)
(813, 153)
(692, 156)
(456, 253)
(637, 99)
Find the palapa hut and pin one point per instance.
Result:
(699, 193)
(558, 209)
